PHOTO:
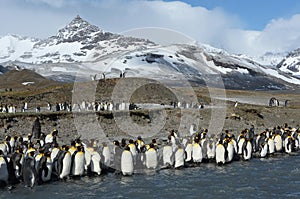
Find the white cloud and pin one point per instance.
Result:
(42, 18)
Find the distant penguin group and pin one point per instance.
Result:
(38, 159)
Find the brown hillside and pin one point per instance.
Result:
(13, 80)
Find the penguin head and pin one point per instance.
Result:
(131, 141)
(151, 145)
(116, 143)
(127, 148)
(31, 154)
(7, 138)
(54, 132)
(73, 143)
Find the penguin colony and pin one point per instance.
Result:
(34, 161)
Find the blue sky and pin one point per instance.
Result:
(251, 27)
(255, 14)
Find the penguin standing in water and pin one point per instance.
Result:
(220, 154)
(229, 150)
(289, 144)
(4, 174)
(151, 157)
(247, 150)
(127, 162)
(271, 146)
(140, 143)
(132, 147)
(188, 152)
(117, 156)
(168, 159)
(45, 168)
(17, 160)
(64, 162)
(263, 150)
(278, 142)
(240, 144)
(106, 156)
(78, 162)
(29, 172)
(179, 157)
(197, 152)
(95, 162)
(211, 149)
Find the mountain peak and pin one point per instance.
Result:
(77, 29)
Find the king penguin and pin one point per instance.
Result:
(64, 163)
(179, 157)
(78, 162)
(127, 162)
(278, 142)
(220, 154)
(197, 152)
(45, 168)
(95, 162)
(29, 172)
(4, 174)
(168, 159)
(151, 157)
(188, 152)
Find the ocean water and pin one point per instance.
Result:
(276, 177)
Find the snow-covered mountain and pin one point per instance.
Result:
(79, 41)
(291, 63)
(271, 59)
(82, 51)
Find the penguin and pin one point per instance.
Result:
(45, 168)
(271, 146)
(288, 144)
(151, 157)
(95, 163)
(78, 162)
(4, 173)
(188, 152)
(139, 166)
(197, 152)
(211, 149)
(278, 142)
(4, 148)
(17, 159)
(37, 158)
(127, 162)
(106, 156)
(179, 158)
(29, 172)
(168, 159)
(220, 154)
(50, 138)
(88, 158)
(117, 157)
(229, 150)
(192, 129)
(140, 143)
(13, 143)
(240, 144)
(263, 150)
(73, 148)
(203, 144)
(54, 153)
(247, 150)
(132, 147)
(64, 163)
